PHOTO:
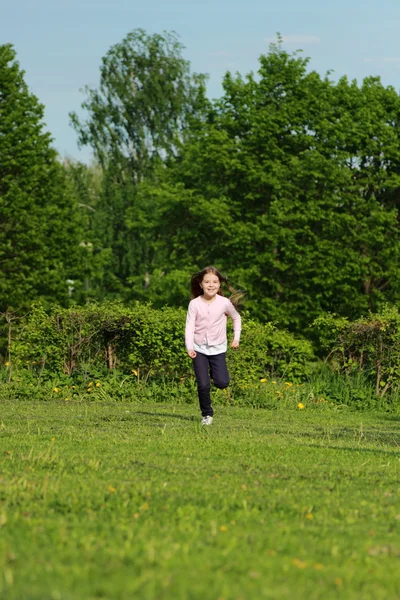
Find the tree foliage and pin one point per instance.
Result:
(145, 97)
(39, 231)
(289, 182)
(293, 180)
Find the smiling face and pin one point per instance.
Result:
(210, 286)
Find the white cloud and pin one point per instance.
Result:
(296, 39)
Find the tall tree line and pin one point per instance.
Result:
(289, 182)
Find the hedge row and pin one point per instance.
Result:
(98, 338)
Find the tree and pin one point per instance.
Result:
(145, 98)
(294, 181)
(87, 182)
(135, 121)
(39, 228)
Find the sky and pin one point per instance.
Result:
(60, 43)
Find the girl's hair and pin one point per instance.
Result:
(196, 289)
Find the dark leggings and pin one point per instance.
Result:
(204, 368)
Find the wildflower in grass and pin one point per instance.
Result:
(56, 389)
(67, 399)
(300, 405)
(300, 564)
(135, 372)
(111, 489)
(90, 384)
(318, 567)
(274, 382)
(263, 380)
(223, 528)
(309, 516)
(288, 383)
(73, 387)
(278, 393)
(98, 384)
(7, 364)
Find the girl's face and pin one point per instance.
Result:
(210, 285)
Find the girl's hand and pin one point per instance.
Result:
(192, 353)
(235, 344)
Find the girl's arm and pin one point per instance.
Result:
(237, 324)
(189, 330)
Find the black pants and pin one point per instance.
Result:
(204, 367)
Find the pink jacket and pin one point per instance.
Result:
(206, 321)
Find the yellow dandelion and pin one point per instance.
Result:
(288, 383)
(111, 489)
(309, 516)
(274, 382)
(278, 393)
(56, 389)
(134, 372)
(300, 405)
(263, 380)
(7, 364)
(73, 387)
(90, 384)
(223, 528)
(67, 399)
(300, 564)
(98, 384)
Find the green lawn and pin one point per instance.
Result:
(127, 500)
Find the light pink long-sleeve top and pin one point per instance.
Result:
(206, 322)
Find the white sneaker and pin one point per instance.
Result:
(207, 420)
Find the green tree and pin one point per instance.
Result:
(135, 121)
(145, 98)
(39, 227)
(87, 182)
(293, 181)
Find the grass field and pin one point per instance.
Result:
(124, 500)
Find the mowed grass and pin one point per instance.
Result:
(124, 500)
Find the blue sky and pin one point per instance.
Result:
(60, 44)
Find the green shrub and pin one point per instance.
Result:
(369, 346)
(143, 343)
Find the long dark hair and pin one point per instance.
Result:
(196, 289)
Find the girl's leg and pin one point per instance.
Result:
(201, 369)
(219, 371)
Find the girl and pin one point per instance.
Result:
(205, 334)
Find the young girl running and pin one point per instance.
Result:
(205, 334)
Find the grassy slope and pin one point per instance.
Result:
(126, 501)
